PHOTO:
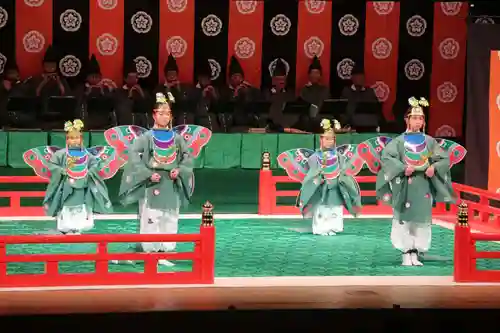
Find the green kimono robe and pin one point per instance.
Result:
(412, 197)
(317, 190)
(65, 194)
(167, 194)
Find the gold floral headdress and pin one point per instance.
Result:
(161, 99)
(73, 126)
(329, 131)
(417, 106)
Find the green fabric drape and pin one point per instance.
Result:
(252, 147)
(19, 142)
(3, 148)
(238, 150)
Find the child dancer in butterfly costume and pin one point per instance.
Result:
(328, 184)
(413, 171)
(159, 171)
(76, 189)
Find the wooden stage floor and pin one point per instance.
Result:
(256, 293)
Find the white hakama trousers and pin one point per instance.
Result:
(406, 236)
(328, 220)
(157, 221)
(74, 219)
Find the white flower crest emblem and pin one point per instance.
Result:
(446, 131)
(70, 66)
(447, 92)
(177, 46)
(244, 48)
(143, 66)
(34, 3)
(107, 4)
(414, 70)
(449, 48)
(177, 6)
(107, 44)
(416, 26)
(3, 61)
(4, 17)
(141, 22)
(382, 90)
(383, 7)
(381, 48)
(280, 25)
(344, 68)
(246, 6)
(348, 25)
(315, 6)
(33, 42)
(211, 25)
(451, 8)
(313, 46)
(70, 20)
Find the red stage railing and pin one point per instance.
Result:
(466, 253)
(203, 258)
(268, 196)
(14, 208)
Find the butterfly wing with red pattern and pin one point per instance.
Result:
(38, 158)
(354, 163)
(295, 162)
(370, 151)
(196, 137)
(108, 159)
(456, 151)
(122, 137)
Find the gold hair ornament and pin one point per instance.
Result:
(73, 126)
(417, 106)
(160, 98)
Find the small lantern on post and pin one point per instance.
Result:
(463, 215)
(207, 217)
(266, 160)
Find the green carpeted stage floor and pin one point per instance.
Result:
(267, 247)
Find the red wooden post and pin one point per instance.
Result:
(462, 254)
(267, 197)
(3, 261)
(207, 232)
(101, 265)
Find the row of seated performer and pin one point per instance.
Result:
(413, 171)
(47, 100)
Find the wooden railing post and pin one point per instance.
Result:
(462, 253)
(207, 255)
(267, 198)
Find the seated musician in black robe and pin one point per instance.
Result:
(204, 98)
(278, 95)
(95, 87)
(241, 93)
(132, 101)
(183, 114)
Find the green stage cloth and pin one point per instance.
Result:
(263, 247)
(223, 152)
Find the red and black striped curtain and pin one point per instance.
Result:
(408, 48)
